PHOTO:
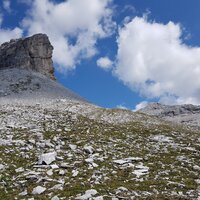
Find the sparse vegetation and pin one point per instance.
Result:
(165, 169)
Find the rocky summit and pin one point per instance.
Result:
(56, 145)
(32, 53)
(27, 72)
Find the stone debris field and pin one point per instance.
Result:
(56, 145)
(63, 149)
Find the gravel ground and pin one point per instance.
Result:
(64, 149)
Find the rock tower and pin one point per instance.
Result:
(32, 53)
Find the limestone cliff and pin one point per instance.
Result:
(32, 53)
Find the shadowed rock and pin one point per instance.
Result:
(32, 53)
(186, 114)
(170, 111)
(26, 71)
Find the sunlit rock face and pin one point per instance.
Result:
(32, 53)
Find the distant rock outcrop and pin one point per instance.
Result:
(170, 111)
(186, 114)
(32, 53)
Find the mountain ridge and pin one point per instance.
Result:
(187, 114)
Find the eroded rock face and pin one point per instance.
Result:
(32, 53)
(185, 114)
(170, 110)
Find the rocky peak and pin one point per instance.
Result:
(32, 53)
(170, 110)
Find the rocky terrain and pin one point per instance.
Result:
(55, 145)
(184, 114)
(19, 84)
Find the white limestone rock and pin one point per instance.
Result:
(127, 160)
(88, 194)
(72, 147)
(38, 190)
(55, 198)
(88, 149)
(2, 167)
(47, 158)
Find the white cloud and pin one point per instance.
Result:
(6, 5)
(140, 105)
(104, 63)
(153, 60)
(7, 34)
(73, 26)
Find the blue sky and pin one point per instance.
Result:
(120, 53)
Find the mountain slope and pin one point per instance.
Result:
(27, 72)
(55, 145)
(31, 86)
(74, 150)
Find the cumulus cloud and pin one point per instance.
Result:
(73, 26)
(6, 5)
(104, 63)
(7, 34)
(153, 60)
